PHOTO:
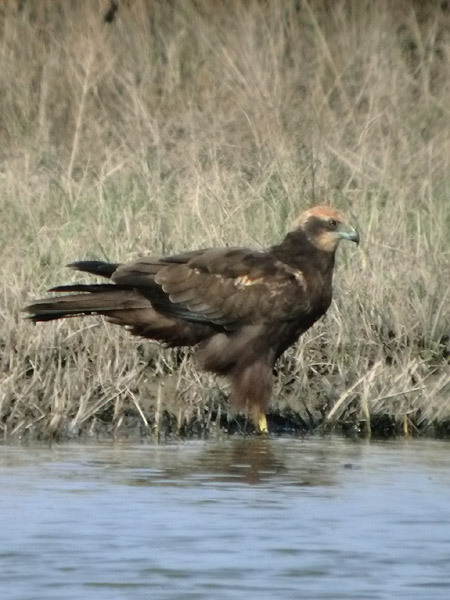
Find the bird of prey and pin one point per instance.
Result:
(240, 308)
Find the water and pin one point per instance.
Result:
(242, 518)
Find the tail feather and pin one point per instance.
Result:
(121, 306)
(92, 288)
(86, 299)
(98, 302)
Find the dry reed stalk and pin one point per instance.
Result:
(215, 124)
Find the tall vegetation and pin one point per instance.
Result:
(197, 123)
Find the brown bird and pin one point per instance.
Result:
(242, 308)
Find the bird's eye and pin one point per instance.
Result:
(332, 224)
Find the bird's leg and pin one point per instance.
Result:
(252, 387)
(260, 420)
(262, 423)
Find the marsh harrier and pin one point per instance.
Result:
(241, 308)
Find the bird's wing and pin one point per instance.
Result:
(228, 287)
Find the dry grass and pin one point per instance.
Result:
(200, 123)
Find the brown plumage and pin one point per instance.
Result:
(242, 308)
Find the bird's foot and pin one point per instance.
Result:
(262, 424)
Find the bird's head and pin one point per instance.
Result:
(325, 227)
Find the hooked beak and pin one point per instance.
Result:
(347, 232)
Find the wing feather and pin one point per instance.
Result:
(225, 287)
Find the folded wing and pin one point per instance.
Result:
(228, 288)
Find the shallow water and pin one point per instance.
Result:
(242, 518)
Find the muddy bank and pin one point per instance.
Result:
(161, 417)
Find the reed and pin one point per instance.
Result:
(193, 124)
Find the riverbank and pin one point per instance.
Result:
(196, 125)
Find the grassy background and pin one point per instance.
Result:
(197, 123)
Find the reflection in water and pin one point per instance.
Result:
(250, 460)
(238, 518)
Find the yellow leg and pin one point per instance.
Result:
(259, 419)
(262, 423)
